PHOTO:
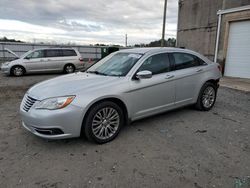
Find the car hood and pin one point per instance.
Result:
(11, 52)
(70, 85)
(16, 61)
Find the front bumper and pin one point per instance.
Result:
(53, 124)
(80, 67)
(5, 69)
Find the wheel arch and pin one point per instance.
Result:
(115, 100)
(209, 80)
(198, 104)
(213, 81)
(17, 65)
(68, 64)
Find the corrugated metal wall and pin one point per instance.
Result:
(87, 52)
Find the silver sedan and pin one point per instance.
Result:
(125, 86)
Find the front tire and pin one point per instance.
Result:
(207, 97)
(103, 122)
(17, 71)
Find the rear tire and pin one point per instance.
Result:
(17, 71)
(207, 97)
(103, 122)
(69, 68)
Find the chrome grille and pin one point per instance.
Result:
(28, 103)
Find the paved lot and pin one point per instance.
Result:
(182, 148)
(242, 84)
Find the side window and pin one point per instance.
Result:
(69, 53)
(157, 64)
(53, 53)
(202, 62)
(36, 54)
(183, 61)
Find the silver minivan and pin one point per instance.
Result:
(65, 60)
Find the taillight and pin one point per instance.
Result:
(80, 59)
(219, 67)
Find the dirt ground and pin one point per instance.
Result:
(182, 148)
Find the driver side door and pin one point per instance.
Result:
(35, 61)
(156, 94)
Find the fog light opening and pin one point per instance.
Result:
(53, 131)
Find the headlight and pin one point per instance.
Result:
(54, 103)
(6, 63)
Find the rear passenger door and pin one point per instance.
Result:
(70, 56)
(54, 59)
(188, 73)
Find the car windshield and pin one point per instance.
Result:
(118, 64)
(25, 54)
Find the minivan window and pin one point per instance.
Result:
(53, 53)
(184, 60)
(35, 54)
(69, 53)
(157, 64)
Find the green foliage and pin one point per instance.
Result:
(5, 39)
(171, 42)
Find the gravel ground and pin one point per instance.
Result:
(182, 148)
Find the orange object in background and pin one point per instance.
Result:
(90, 60)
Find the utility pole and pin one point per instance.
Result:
(164, 24)
(126, 40)
(224, 5)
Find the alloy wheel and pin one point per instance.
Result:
(105, 123)
(18, 71)
(69, 69)
(208, 97)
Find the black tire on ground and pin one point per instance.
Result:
(201, 104)
(17, 70)
(69, 68)
(110, 124)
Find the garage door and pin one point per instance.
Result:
(238, 52)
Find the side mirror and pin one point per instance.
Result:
(144, 74)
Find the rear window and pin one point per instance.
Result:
(69, 53)
(184, 60)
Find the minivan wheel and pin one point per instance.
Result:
(69, 68)
(103, 122)
(17, 71)
(207, 97)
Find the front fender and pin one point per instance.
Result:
(87, 102)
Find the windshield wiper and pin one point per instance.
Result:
(96, 72)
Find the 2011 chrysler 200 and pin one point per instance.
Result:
(125, 86)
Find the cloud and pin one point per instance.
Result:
(87, 21)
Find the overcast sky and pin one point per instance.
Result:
(86, 21)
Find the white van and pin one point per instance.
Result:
(65, 60)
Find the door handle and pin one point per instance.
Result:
(169, 76)
(42, 60)
(199, 70)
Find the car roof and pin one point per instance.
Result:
(155, 49)
(152, 50)
(54, 48)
